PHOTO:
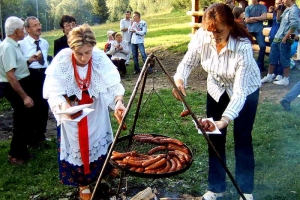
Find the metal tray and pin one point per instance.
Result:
(126, 143)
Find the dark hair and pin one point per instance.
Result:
(221, 13)
(237, 11)
(128, 11)
(137, 13)
(66, 18)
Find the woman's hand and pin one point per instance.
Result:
(180, 85)
(64, 105)
(221, 124)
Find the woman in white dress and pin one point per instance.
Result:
(83, 74)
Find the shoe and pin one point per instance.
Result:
(284, 81)
(15, 161)
(85, 193)
(273, 76)
(209, 195)
(285, 104)
(278, 78)
(267, 79)
(248, 197)
(136, 72)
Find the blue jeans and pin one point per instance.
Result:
(293, 93)
(260, 39)
(278, 70)
(135, 55)
(280, 52)
(244, 156)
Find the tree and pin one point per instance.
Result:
(100, 9)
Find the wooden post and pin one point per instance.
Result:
(195, 7)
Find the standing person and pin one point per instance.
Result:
(125, 23)
(30, 45)
(281, 45)
(83, 74)
(278, 72)
(223, 49)
(14, 75)
(255, 14)
(67, 23)
(119, 51)
(138, 29)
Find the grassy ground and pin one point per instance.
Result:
(275, 137)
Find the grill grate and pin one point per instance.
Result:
(127, 144)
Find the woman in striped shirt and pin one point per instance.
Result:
(223, 49)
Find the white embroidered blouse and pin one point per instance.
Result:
(105, 85)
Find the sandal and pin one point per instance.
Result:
(248, 197)
(209, 195)
(84, 193)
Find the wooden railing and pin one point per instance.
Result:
(197, 19)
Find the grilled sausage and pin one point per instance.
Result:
(151, 161)
(119, 120)
(184, 113)
(156, 164)
(211, 127)
(166, 168)
(170, 140)
(118, 155)
(177, 147)
(155, 149)
(133, 163)
(178, 163)
(173, 165)
(140, 169)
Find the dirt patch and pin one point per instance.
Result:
(197, 81)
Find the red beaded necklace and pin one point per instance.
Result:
(83, 84)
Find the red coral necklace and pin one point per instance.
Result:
(83, 84)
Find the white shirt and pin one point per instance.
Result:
(124, 23)
(141, 31)
(233, 70)
(121, 54)
(28, 48)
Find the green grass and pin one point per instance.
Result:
(165, 30)
(275, 136)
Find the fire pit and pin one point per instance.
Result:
(151, 155)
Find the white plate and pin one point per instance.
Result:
(216, 131)
(85, 112)
(73, 109)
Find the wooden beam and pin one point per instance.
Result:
(195, 19)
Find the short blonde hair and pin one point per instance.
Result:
(80, 36)
(118, 34)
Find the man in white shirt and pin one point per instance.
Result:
(33, 44)
(125, 23)
(138, 30)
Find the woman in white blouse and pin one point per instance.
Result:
(83, 74)
(119, 51)
(223, 49)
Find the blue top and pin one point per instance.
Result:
(255, 11)
(288, 20)
(275, 26)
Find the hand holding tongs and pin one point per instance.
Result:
(185, 111)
